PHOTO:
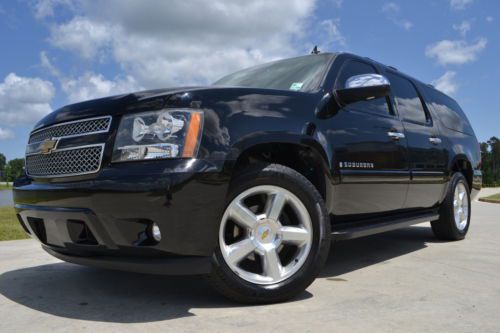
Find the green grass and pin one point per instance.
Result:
(5, 186)
(10, 228)
(491, 198)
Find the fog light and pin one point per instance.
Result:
(155, 232)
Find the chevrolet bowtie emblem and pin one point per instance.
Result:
(47, 146)
(265, 234)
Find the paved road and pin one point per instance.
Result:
(6, 198)
(399, 281)
(485, 192)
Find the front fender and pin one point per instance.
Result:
(259, 138)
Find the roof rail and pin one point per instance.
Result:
(393, 68)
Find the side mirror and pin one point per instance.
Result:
(363, 87)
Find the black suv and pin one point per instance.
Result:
(249, 180)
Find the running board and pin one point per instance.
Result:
(375, 228)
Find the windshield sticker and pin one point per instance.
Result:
(296, 86)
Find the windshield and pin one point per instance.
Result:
(297, 74)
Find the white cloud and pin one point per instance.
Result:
(406, 24)
(338, 3)
(47, 64)
(460, 4)
(392, 11)
(447, 83)
(24, 99)
(456, 52)
(6, 133)
(91, 85)
(463, 28)
(391, 7)
(82, 36)
(168, 43)
(489, 19)
(45, 8)
(331, 35)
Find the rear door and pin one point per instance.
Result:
(426, 153)
(369, 152)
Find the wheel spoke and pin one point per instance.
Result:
(238, 251)
(272, 264)
(274, 205)
(242, 215)
(461, 206)
(294, 235)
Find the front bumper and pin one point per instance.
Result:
(160, 266)
(105, 221)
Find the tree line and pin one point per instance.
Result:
(12, 169)
(490, 155)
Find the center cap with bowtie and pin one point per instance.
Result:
(266, 234)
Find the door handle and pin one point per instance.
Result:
(395, 135)
(434, 140)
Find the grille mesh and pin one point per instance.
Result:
(75, 128)
(65, 162)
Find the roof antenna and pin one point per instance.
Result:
(315, 50)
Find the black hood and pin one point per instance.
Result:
(112, 105)
(231, 99)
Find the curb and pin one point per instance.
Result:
(489, 200)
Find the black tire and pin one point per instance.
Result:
(229, 284)
(445, 227)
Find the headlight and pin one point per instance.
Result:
(169, 133)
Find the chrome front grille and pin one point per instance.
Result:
(72, 129)
(49, 155)
(65, 162)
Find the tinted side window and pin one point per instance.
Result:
(352, 68)
(407, 100)
(448, 111)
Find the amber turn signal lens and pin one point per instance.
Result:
(192, 136)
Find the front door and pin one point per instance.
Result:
(369, 152)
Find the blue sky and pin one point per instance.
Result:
(56, 52)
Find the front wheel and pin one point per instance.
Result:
(274, 236)
(454, 219)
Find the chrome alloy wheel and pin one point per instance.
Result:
(265, 234)
(461, 206)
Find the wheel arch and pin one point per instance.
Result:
(461, 163)
(301, 153)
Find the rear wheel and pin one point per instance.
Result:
(454, 219)
(274, 236)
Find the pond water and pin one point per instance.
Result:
(6, 198)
